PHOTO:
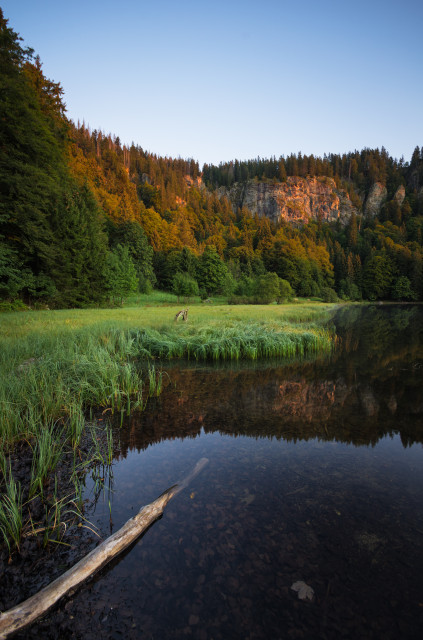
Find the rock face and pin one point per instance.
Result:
(297, 200)
(375, 199)
(400, 194)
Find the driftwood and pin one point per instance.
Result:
(29, 610)
(182, 314)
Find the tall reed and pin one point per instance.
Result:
(11, 518)
(46, 455)
(235, 341)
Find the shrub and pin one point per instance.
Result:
(286, 292)
(184, 286)
(349, 290)
(267, 287)
(145, 285)
(16, 305)
(328, 295)
(402, 289)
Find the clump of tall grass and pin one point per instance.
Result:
(155, 379)
(46, 455)
(11, 518)
(47, 384)
(238, 340)
(68, 374)
(100, 463)
(55, 524)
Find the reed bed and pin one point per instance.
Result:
(45, 400)
(63, 378)
(239, 341)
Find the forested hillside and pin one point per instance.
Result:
(85, 219)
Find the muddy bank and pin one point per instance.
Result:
(44, 555)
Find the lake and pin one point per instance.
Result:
(315, 475)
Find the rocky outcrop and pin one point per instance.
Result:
(375, 199)
(400, 195)
(145, 178)
(297, 200)
(193, 182)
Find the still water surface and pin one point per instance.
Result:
(315, 474)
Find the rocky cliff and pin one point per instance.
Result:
(378, 196)
(375, 199)
(400, 195)
(297, 200)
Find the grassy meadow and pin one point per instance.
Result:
(57, 366)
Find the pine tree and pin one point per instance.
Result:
(32, 165)
(131, 235)
(352, 231)
(281, 173)
(80, 248)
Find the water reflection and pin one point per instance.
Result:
(369, 388)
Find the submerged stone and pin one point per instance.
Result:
(305, 592)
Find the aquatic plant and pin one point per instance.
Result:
(55, 513)
(11, 519)
(45, 457)
(76, 422)
(238, 341)
(155, 379)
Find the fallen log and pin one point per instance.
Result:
(28, 611)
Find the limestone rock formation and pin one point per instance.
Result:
(375, 199)
(400, 195)
(297, 200)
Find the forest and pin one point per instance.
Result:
(86, 220)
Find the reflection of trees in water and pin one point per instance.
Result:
(378, 331)
(370, 388)
(271, 404)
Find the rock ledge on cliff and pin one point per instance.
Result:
(297, 200)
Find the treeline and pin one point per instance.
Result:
(85, 219)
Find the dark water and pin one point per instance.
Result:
(315, 474)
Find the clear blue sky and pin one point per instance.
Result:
(217, 80)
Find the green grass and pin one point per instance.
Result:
(145, 314)
(46, 455)
(11, 519)
(233, 341)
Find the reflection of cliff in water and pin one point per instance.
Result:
(371, 387)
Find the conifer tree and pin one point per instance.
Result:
(32, 165)
(77, 268)
(131, 234)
